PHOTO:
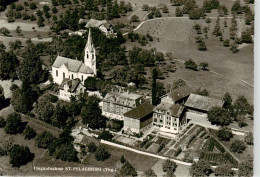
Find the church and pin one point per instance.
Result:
(66, 68)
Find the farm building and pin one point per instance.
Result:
(103, 25)
(177, 96)
(198, 105)
(139, 118)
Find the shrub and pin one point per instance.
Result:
(238, 146)
(134, 18)
(14, 124)
(101, 154)
(249, 138)
(225, 134)
(122, 159)
(92, 147)
(226, 43)
(29, 132)
(2, 122)
(20, 155)
(191, 65)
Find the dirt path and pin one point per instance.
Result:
(162, 18)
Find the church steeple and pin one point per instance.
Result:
(90, 54)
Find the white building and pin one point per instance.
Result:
(70, 88)
(103, 25)
(66, 68)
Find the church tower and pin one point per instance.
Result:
(90, 54)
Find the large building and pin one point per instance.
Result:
(198, 106)
(67, 68)
(138, 119)
(169, 118)
(178, 95)
(116, 104)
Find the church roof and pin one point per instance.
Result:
(72, 65)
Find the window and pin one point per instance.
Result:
(92, 56)
(161, 121)
(155, 120)
(72, 76)
(81, 78)
(57, 73)
(63, 75)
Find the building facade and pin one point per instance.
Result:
(103, 26)
(70, 88)
(169, 118)
(138, 119)
(66, 68)
(116, 104)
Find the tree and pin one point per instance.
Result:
(224, 170)
(242, 107)
(246, 167)
(92, 147)
(134, 18)
(202, 46)
(225, 134)
(2, 95)
(13, 124)
(234, 47)
(4, 31)
(157, 13)
(40, 21)
(216, 30)
(2, 122)
(44, 140)
(169, 167)
(200, 168)
(236, 8)
(203, 92)
(29, 132)
(45, 109)
(91, 114)
(66, 152)
(150, 173)
(106, 135)
(227, 101)
(127, 170)
(8, 65)
(101, 154)
(145, 7)
(154, 91)
(238, 146)
(20, 155)
(246, 36)
(226, 43)
(189, 64)
(249, 138)
(91, 83)
(204, 66)
(219, 116)
(178, 12)
(18, 30)
(165, 9)
(122, 159)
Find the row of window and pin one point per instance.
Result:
(72, 76)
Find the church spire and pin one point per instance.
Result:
(89, 43)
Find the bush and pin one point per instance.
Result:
(179, 150)
(191, 65)
(2, 122)
(29, 133)
(200, 168)
(122, 159)
(14, 124)
(105, 135)
(134, 18)
(20, 155)
(204, 66)
(226, 43)
(249, 138)
(44, 140)
(92, 147)
(54, 98)
(238, 146)
(225, 134)
(101, 154)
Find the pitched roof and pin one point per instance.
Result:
(140, 112)
(95, 23)
(131, 96)
(203, 102)
(180, 93)
(73, 84)
(72, 65)
(176, 110)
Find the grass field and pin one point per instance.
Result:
(176, 35)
